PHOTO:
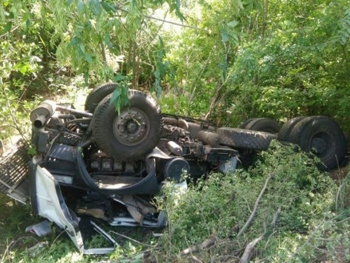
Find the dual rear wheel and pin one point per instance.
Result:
(319, 135)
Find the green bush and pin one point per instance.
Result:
(298, 198)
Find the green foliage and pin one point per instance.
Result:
(230, 58)
(295, 216)
(219, 207)
(120, 96)
(44, 44)
(228, 61)
(242, 59)
(98, 39)
(202, 55)
(13, 115)
(298, 68)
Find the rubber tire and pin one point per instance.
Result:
(263, 124)
(244, 124)
(245, 139)
(98, 94)
(286, 129)
(257, 124)
(102, 127)
(310, 128)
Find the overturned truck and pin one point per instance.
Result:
(103, 164)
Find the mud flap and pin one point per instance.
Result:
(50, 204)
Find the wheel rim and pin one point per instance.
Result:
(321, 144)
(131, 127)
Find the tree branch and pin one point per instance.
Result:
(214, 99)
(251, 217)
(195, 248)
(249, 248)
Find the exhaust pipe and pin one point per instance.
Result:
(41, 114)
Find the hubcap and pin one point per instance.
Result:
(131, 127)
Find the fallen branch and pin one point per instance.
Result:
(247, 254)
(195, 248)
(251, 217)
(195, 259)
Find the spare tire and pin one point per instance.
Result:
(323, 137)
(286, 129)
(131, 134)
(97, 94)
(245, 139)
(263, 124)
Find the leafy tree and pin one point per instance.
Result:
(44, 44)
(223, 60)
(202, 55)
(89, 36)
(297, 66)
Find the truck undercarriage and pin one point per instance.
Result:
(115, 162)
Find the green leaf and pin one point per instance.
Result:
(23, 68)
(88, 58)
(120, 78)
(95, 7)
(115, 96)
(80, 6)
(177, 10)
(108, 8)
(26, 16)
(240, 4)
(179, 15)
(107, 40)
(343, 40)
(161, 43)
(11, 15)
(74, 41)
(233, 23)
(157, 74)
(224, 35)
(8, 27)
(134, 5)
(82, 48)
(86, 78)
(69, 2)
(157, 88)
(178, 4)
